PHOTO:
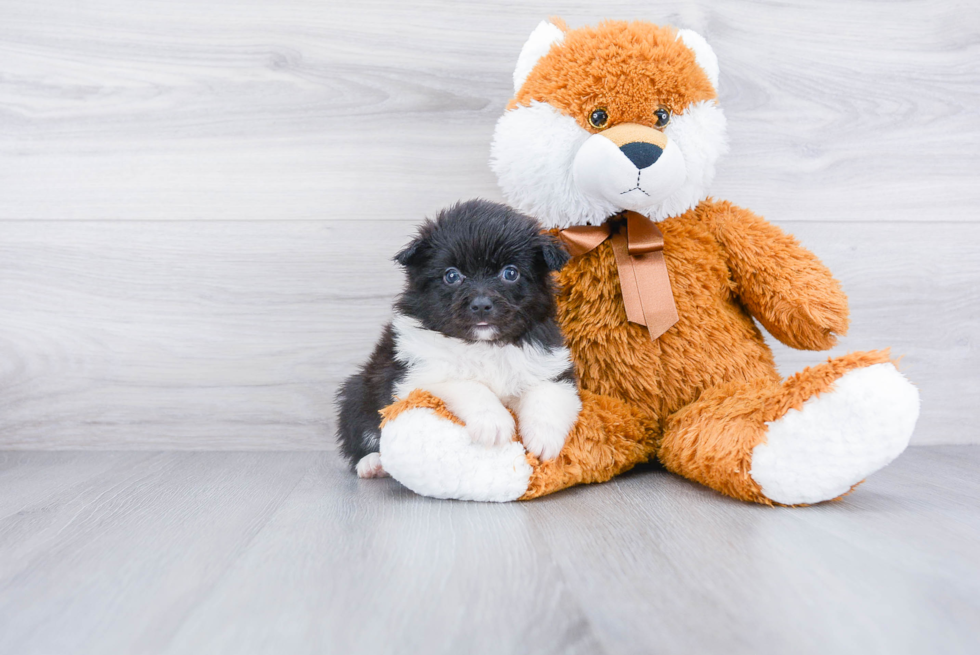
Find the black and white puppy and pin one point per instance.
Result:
(475, 326)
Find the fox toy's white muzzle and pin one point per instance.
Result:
(631, 166)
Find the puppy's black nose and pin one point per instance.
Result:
(642, 154)
(481, 306)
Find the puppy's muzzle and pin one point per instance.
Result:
(481, 307)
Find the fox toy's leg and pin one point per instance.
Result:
(427, 449)
(609, 438)
(810, 439)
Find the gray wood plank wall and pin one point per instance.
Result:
(199, 200)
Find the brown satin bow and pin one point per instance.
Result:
(639, 249)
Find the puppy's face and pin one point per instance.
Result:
(480, 272)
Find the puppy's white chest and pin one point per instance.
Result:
(508, 370)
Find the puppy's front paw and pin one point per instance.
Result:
(543, 440)
(490, 426)
(547, 414)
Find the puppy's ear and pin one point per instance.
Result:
(555, 255)
(410, 254)
(414, 253)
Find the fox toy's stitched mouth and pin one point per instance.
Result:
(637, 187)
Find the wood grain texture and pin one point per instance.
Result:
(180, 519)
(381, 570)
(289, 553)
(847, 577)
(188, 190)
(137, 110)
(235, 335)
(192, 335)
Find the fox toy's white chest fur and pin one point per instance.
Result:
(507, 370)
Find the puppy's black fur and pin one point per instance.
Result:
(478, 239)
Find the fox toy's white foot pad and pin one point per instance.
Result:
(436, 457)
(838, 438)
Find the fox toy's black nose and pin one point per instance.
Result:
(642, 154)
(481, 306)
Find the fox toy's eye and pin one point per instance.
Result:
(509, 274)
(599, 118)
(452, 277)
(663, 116)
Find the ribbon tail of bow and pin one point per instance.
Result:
(645, 284)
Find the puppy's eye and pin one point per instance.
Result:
(509, 274)
(663, 116)
(452, 277)
(599, 118)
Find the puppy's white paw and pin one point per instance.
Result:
(369, 466)
(547, 414)
(490, 425)
(543, 440)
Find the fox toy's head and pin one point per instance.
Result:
(619, 116)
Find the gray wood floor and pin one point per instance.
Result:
(178, 552)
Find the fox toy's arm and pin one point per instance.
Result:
(781, 283)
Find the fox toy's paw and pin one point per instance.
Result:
(836, 440)
(430, 451)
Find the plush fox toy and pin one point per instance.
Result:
(611, 141)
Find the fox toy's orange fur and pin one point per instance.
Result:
(638, 70)
(714, 346)
(703, 396)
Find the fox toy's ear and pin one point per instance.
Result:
(537, 46)
(555, 255)
(415, 251)
(703, 53)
